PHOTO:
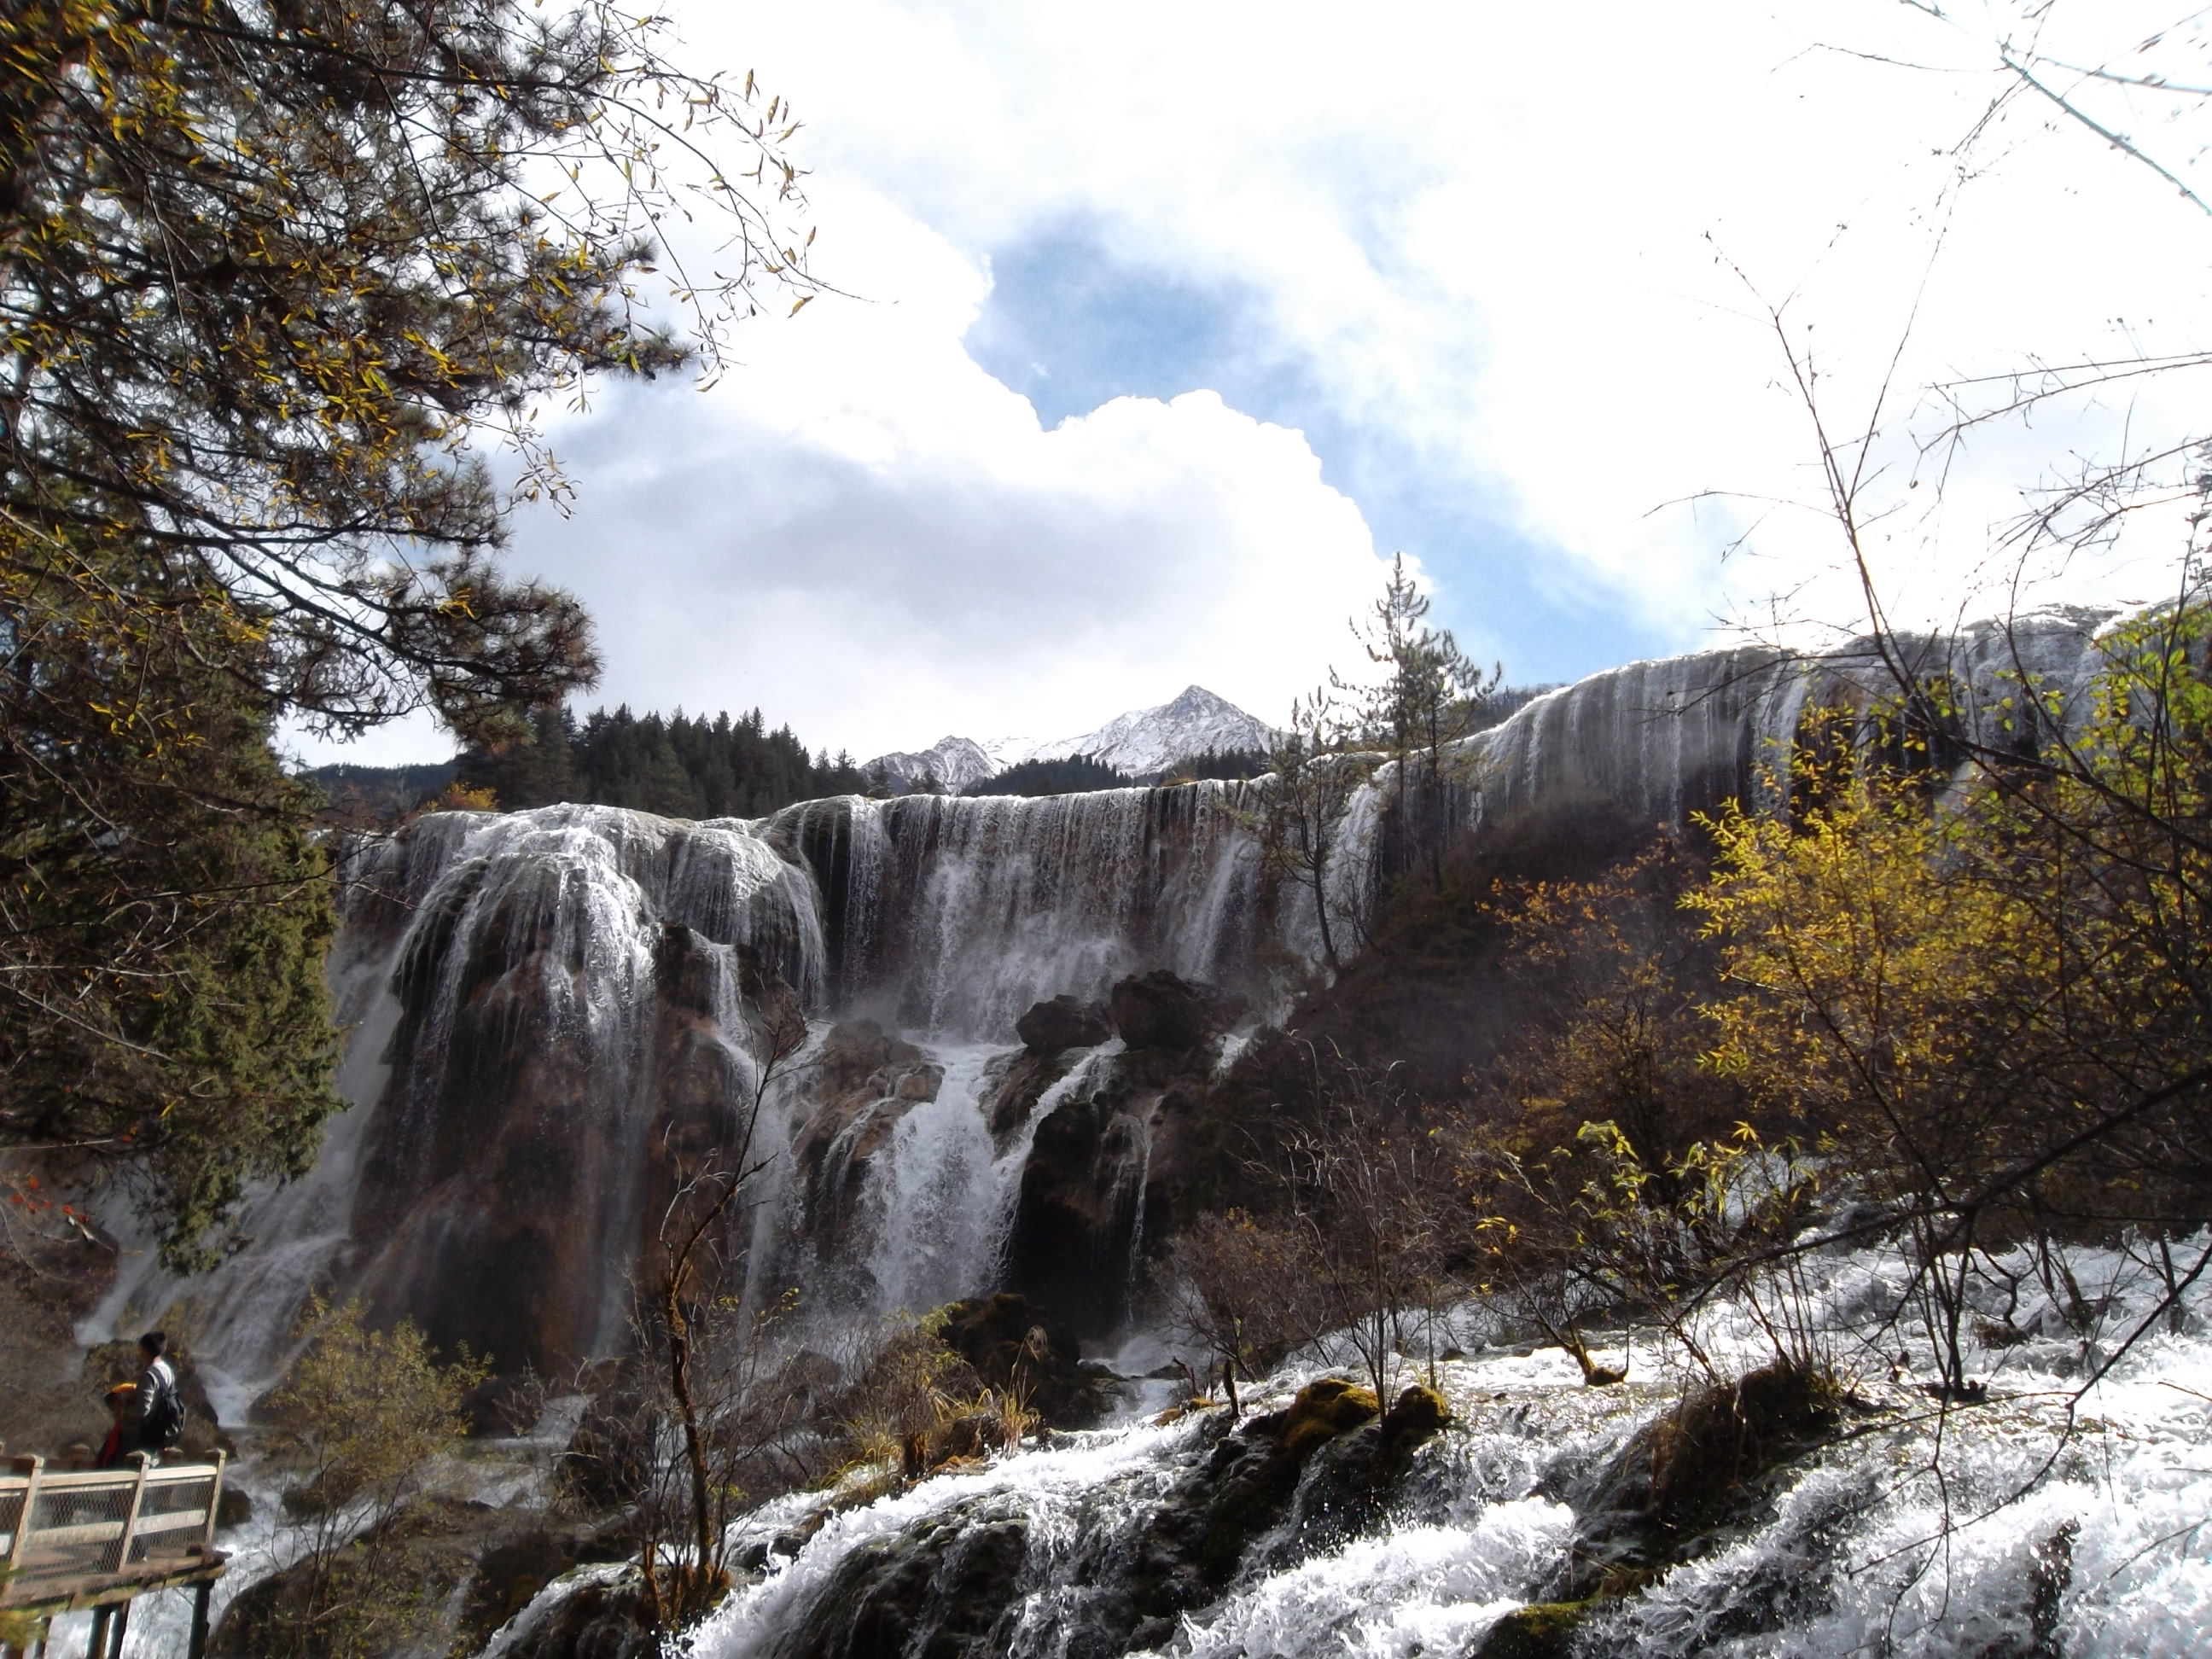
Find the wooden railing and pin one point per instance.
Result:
(96, 1538)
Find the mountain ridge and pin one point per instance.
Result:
(1141, 742)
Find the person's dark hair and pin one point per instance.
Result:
(154, 1342)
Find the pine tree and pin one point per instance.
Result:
(1433, 697)
(163, 906)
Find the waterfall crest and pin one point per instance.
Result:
(547, 1009)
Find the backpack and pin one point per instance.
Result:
(163, 1425)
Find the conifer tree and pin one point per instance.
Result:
(273, 279)
(1432, 697)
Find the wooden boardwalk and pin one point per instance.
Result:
(98, 1539)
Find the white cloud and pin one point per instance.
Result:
(1498, 235)
(866, 533)
(1486, 225)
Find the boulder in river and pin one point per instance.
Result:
(1161, 1010)
(1063, 1022)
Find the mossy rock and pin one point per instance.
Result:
(1694, 1474)
(1323, 1410)
(1542, 1630)
(1415, 1415)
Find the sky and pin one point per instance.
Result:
(1160, 328)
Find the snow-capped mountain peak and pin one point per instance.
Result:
(1146, 741)
(1143, 743)
(954, 762)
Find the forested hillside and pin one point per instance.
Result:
(678, 765)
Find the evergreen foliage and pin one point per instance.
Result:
(1231, 765)
(678, 765)
(361, 796)
(163, 906)
(273, 279)
(1073, 774)
(266, 272)
(1317, 772)
(1432, 697)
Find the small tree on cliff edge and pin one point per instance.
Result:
(1433, 697)
(1297, 819)
(707, 1341)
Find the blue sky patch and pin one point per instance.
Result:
(1070, 325)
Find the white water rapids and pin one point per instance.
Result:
(1924, 1530)
(539, 1003)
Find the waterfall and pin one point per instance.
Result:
(1133, 1279)
(546, 1009)
(534, 1002)
(955, 914)
(934, 1241)
(537, 1001)
(1913, 1532)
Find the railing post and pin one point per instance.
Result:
(130, 1515)
(34, 1468)
(198, 1648)
(215, 1501)
(97, 1648)
(116, 1627)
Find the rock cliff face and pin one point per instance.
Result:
(574, 991)
(554, 1010)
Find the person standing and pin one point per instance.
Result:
(157, 1414)
(122, 1428)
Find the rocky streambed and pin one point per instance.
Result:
(1516, 1511)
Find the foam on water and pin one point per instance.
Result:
(1926, 1529)
(946, 917)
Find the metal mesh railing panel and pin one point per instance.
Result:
(76, 1532)
(85, 1526)
(173, 1517)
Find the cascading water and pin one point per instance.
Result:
(957, 914)
(1138, 1191)
(1914, 1529)
(548, 1009)
(546, 1014)
(940, 1199)
(541, 1004)
(937, 1196)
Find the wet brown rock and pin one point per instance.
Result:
(1161, 1010)
(1063, 1022)
(1016, 1347)
(863, 1082)
(518, 1107)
